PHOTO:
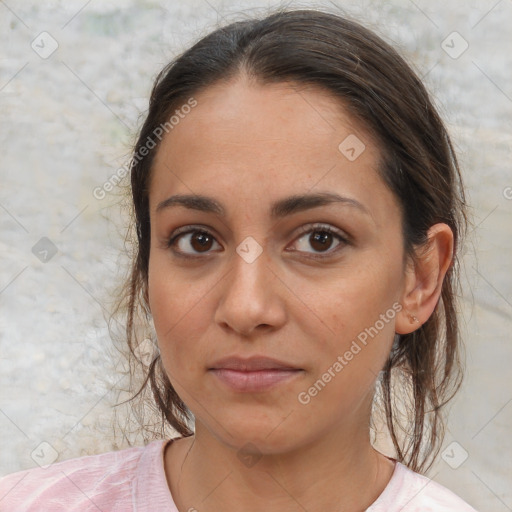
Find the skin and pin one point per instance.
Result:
(248, 145)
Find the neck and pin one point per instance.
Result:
(338, 471)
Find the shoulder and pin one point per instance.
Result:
(92, 482)
(409, 491)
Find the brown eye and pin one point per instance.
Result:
(199, 241)
(321, 239)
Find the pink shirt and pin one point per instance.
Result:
(134, 479)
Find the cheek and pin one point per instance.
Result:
(354, 319)
(348, 362)
(181, 315)
(170, 298)
(353, 300)
(168, 304)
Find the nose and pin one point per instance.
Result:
(252, 296)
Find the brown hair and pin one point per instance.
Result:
(379, 89)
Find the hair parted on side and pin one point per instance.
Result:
(418, 164)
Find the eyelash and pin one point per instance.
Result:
(322, 228)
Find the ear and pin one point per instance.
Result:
(424, 279)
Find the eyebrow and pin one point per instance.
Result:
(279, 209)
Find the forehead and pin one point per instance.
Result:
(250, 142)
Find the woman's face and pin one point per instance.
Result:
(255, 279)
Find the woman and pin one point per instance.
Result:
(299, 211)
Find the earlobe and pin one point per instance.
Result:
(424, 278)
(406, 321)
(413, 319)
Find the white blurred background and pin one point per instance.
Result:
(67, 120)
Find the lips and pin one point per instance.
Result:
(253, 375)
(252, 364)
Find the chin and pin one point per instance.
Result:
(264, 435)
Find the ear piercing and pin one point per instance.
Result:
(413, 319)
